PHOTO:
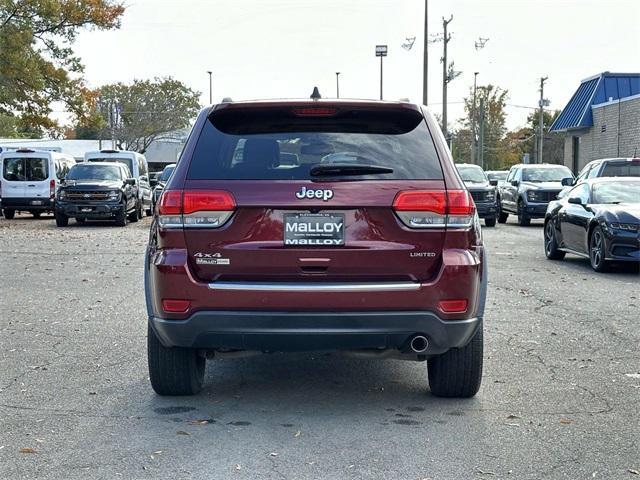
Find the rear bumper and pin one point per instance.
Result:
(29, 204)
(308, 331)
(222, 318)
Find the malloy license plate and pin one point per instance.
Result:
(314, 229)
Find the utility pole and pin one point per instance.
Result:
(210, 88)
(337, 84)
(425, 61)
(481, 135)
(445, 75)
(473, 119)
(541, 118)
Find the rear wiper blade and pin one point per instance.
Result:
(329, 170)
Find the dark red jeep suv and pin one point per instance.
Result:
(315, 225)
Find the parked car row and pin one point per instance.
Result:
(595, 215)
(108, 185)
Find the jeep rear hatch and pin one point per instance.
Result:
(315, 191)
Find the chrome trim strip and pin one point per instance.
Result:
(316, 287)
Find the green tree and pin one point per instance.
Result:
(137, 114)
(494, 100)
(8, 126)
(37, 62)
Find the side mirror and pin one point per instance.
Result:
(515, 183)
(130, 181)
(493, 183)
(575, 200)
(567, 181)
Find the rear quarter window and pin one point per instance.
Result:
(276, 145)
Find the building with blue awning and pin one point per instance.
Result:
(602, 119)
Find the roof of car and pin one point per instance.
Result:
(308, 103)
(616, 159)
(539, 165)
(472, 165)
(102, 164)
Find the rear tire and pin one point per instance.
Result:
(62, 220)
(149, 212)
(523, 220)
(490, 222)
(174, 371)
(9, 214)
(551, 243)
(458, 372)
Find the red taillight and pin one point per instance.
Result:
(421, 201)
(52, 188)
(207, 201)
(195, 208)
(315, 112)
(435, 208)
(453, 306)
(170, 203)
(459, 203)
(175, 305)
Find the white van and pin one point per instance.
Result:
(138, 167)
(30, 178)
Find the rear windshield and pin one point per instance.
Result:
(276, 145)
(94, 172)
(127, 161)
(471, 174)
(546, 174)
(626, 169)
(23, 169)
(611, 192)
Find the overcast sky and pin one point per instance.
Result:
(282, 48)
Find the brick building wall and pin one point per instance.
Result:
(615, 133)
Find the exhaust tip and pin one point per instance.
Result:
(419, 344)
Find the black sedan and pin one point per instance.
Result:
(598, 219)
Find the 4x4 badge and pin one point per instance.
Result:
(305, 192)
(210, 259)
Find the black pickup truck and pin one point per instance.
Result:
(482, 190)
(98, 191)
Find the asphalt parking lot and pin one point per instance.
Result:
(560, 395)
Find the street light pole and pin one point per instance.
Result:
(381, 51)
(210, 87)
(337, 84)
(473, 119)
